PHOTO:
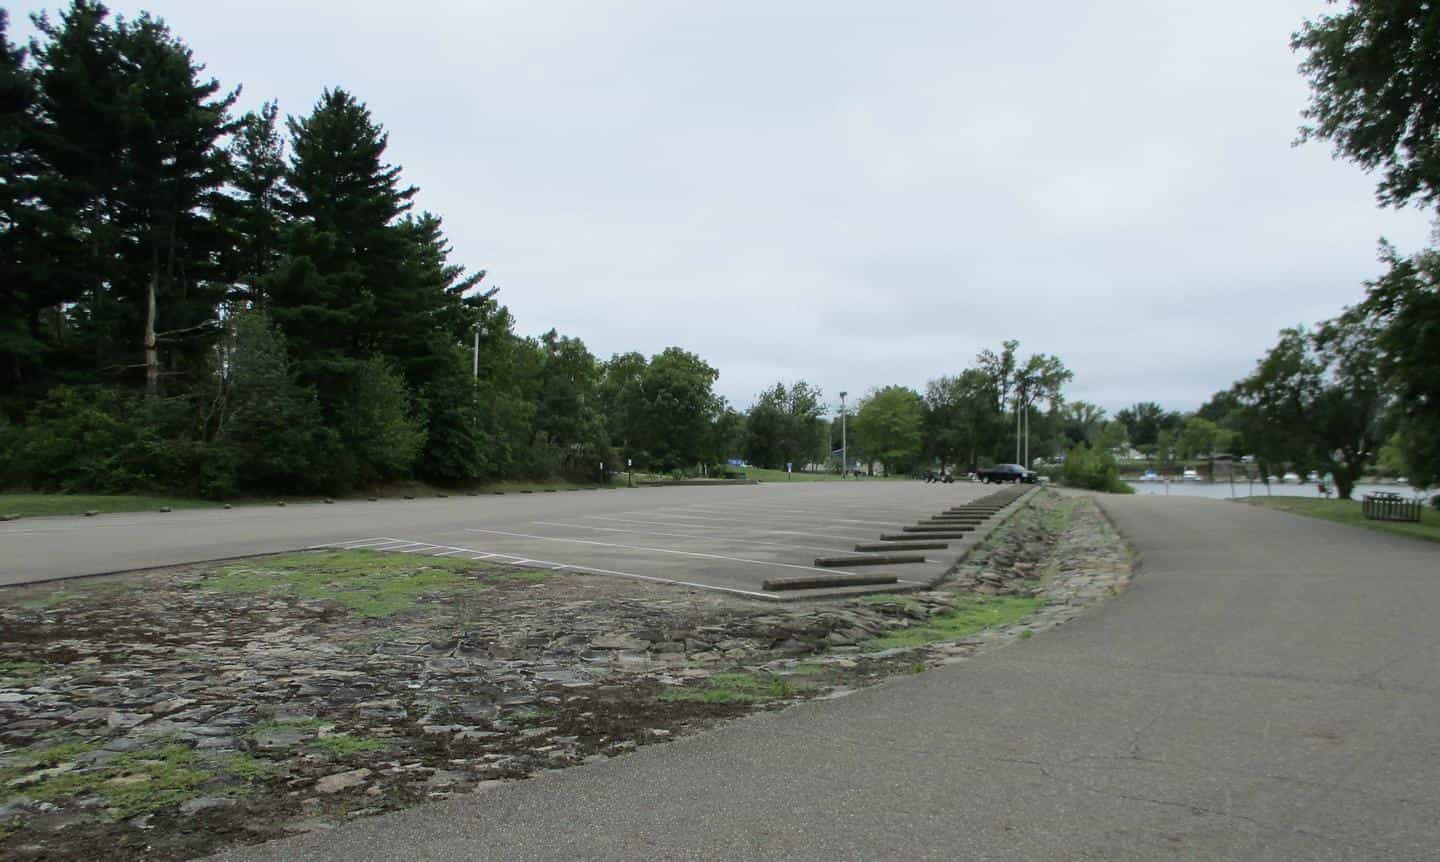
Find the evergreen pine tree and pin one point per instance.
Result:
(343, 251)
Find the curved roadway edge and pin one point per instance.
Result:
(1268, 688)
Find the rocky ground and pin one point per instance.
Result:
(166, 714)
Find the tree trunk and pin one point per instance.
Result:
(152, 351)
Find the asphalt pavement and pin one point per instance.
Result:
(1268, 689)
(720, 537)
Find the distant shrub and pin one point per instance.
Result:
(726, 471)
(1093, 469)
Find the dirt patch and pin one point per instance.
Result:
(167, 714)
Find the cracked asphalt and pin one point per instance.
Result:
(1268, 689)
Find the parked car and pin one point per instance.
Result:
(1008, 473)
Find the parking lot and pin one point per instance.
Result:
(732, 537)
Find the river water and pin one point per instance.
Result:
(1243, 488)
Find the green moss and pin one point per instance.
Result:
(131, 783)
(370, 583)
(537, 713)
(13, 673)
(972, 615)
(343, 744)
(247, 768)
(737, 688)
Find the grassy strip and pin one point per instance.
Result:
(737, 687)
(972, 615)
(370, 583)
(35, 505)
(1349, 512)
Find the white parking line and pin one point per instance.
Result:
(811, 519)
(556, 566)
(647, 550)
(751, 529)
(690, 536)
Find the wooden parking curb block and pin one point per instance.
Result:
(932, 528)
(928, 535)
(868, 560)
(904, 546)
(820, 582)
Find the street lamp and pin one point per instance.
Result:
(844, 455)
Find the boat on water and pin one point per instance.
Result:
(1190, 476)
(1148, 476)
(1291, 478)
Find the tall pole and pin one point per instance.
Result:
(1026, 462)
(844, 453)
(1017, 426)
(475, 363)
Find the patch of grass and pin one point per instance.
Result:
(36, 505)
(1350, 512)
(44, 597)
(344, 745)
(371, 584)
(809, 668)
(973, 615)
(247, 768)
(736, 687)
(131, 784)
(20, 672)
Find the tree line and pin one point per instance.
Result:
(221, 303)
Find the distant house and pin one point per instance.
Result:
(1222, 467)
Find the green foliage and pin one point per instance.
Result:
(1375, 93)
(963, 422)
(274, 421)
(1094, 469)
(1316, 399)
(380, 430)
(887, 427)
(1402, 309)
(785, 427)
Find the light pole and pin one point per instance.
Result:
(475, 363)
(844, 454)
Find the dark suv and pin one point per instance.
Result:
(1008, 473)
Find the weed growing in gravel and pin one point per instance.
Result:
(20, 672)
(370, 583)
(973, 615)
(343, 744)
(130, 784)
(736, 688)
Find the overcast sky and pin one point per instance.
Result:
(856, 194)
